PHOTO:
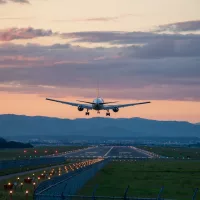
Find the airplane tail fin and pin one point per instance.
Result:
(98, 89)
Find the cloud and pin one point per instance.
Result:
(15, 1)
(166, 48)
(23, 33)
(110, 37)
(97, 19)
(144, 44)
(180, 26)
(116, 37)
(62, 69)
(38, 55)
(101, 19)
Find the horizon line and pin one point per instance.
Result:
(101, 118)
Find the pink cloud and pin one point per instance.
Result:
(23, 33)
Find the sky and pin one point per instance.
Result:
(138, 50)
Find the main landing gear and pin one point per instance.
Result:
(87, 113)
(107, 114)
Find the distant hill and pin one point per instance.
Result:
(4, 144)
(15, 125)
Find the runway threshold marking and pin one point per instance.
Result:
(108, 151)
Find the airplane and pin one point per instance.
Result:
(97, 104)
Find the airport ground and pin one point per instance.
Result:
(19, 192)
(15, 154)
(145, 178)
(175, 152)
(108, 152)
(179, 177)
(26, 172)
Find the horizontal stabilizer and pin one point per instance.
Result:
(85, 102)
(98, 103)
(109, 102)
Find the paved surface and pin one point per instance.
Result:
(126, 152)
(92, 152)
(109, 152)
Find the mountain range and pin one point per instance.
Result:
(20, 125)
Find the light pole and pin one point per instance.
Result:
(11, 192)
(26, 194)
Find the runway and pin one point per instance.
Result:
(109, 152)
(92, 152)
(126, 152)
(112, 152)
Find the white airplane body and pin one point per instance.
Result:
(97, 104)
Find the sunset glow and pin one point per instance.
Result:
(137, 50)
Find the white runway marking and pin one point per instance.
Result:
(108, 151)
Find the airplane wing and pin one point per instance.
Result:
(71, 103)
(124, 105)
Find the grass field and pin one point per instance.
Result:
(176, 152)
(8, 154)
(145, 178)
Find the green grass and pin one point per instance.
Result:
(145, 178)
(8, 154)
(176, 152)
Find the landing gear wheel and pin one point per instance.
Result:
(87, 113)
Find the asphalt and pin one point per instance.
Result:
(126, 152)
(96, 152)
(109, 151)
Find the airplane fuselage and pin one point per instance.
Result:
(98, 104)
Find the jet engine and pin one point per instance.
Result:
(115, 109)
(80, 108)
